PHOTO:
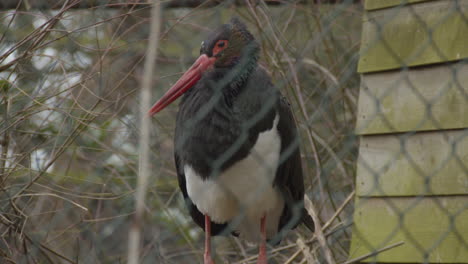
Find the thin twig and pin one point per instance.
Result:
(328, 223)
(378, 251)
(305, 250)
(145, 121)
(338, 211)
(6, 136)
(54, 195)
(292, 245)
(319, 230)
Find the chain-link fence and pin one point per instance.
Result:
(380, 105)
(412, 173)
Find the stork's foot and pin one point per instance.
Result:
(209, 260)
(262, 259)
(207, 256)
(262, 255)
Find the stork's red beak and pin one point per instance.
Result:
(190, 78)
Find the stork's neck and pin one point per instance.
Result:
(234, 78)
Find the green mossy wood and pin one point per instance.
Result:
(414, 35)
(436, 97)
(428, 163)
(412, 172)
(379, 4)
(424, 225)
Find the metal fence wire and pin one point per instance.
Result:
(412, 168)
(378, 89)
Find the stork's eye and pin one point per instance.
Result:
(219, 46)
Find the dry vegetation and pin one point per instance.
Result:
(69, 129)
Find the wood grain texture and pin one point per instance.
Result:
(412, 35)
(432, 227)
(419, 99)
(429, 163)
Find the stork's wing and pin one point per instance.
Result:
(289, 176)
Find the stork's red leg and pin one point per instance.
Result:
(207, 256)
(262, 255)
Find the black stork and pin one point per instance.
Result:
(236, 144)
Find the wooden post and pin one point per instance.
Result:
(412, 173)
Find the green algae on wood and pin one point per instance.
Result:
(427, 225)
(426, 163)
(418, 99)
(379, 4)
(413, 35)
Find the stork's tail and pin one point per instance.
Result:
(307, 220)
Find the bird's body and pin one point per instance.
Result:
(236, 144)
(240, 135)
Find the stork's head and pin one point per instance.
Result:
(229, 46)
(229, 43)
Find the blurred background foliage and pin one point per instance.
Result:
(69, 116)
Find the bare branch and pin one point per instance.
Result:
(85, 4)
(144, 151)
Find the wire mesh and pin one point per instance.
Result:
(380, 106)
(412, 174)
